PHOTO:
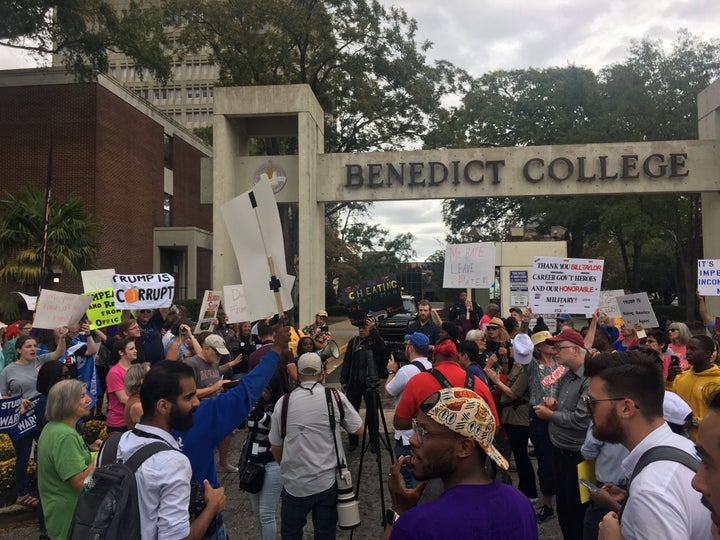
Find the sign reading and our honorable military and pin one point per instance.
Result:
(561, 285)
(375, 298)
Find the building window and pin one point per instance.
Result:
(167, 151)
(167, 210)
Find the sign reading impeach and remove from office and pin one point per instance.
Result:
(143, 291)
(469, 266)
(101, 312)
(375, 298)
(565, 285)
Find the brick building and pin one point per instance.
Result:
(145, 178)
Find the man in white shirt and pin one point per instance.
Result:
(625, 400)
(169, 400)
(416, 351)
(707, 479)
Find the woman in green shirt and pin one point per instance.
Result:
(63, 458)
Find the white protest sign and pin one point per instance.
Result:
(208, 311)
(143, 291)
(97, 280)
(234, 303)
(608, 302)
(636, 308)
(30, 301)
(253, 224)
(569, 286)
(519, 282)
(469, 266)
(709, 277)
(56, 309)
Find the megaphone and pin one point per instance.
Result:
(330, 350)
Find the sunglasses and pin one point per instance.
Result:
(488, 327)
(145, 311)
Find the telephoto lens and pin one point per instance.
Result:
(347, 505)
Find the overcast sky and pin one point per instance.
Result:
(484, 35)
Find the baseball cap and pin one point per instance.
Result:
(675, 410)
(309, 363)
(467, 414)
(522, 349)
(321, 313)
(418, 339)
(216, 342)
(564, 317)
(541, 337)
(570, 335)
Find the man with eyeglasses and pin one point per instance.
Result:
(452, 438)
(568, 424)
(9, 352)
(625, 399)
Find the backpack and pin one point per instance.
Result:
(108, 506)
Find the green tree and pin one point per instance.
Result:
(72, 237)
(82, 32)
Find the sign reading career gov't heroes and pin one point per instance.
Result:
(569, 286)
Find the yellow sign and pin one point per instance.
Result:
(102, 312)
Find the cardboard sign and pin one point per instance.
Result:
(101, 312)
(636, 308)
(709, 277)
(234, 302)
(253, 224)
(143, 291)
(469, 266)
(56, 309)
(208, 311)
(519, 283)
(569, 286)
(608, 302)
(97, 280)
(375, 298)
(15, 423)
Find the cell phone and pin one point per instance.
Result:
(324, 328)
(674, 360)
(641, 334)
(589, 485)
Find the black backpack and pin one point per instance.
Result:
(108, 506)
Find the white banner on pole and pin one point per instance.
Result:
(30, 301)
(97, 280)
(143, 291)
(636, 308)
(56, 309)
(253, 224)
(469, 266)
(709, 277)
(234, 302)
(569, 286)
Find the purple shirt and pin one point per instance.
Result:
(490, 512)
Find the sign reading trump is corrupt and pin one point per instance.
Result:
(143, 291)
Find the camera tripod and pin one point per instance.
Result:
(371, 434)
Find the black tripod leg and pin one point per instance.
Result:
(362, 456)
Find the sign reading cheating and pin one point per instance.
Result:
(709, 277)
(143, 291)
(565, 285)
(469, 266)
(102, 312)
(375, 298)
(636, 308)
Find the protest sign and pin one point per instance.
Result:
(608, 302)
(569, 286)
(234, 302)
(208, 311)
(709, 277)
(101, 312)
(469, 266)
(636, 308)
(30, 301)
(253, 224)
(97, 280)
(377, 298)
(143, 291)
(519, 282)
(15, 423)
(56, 309)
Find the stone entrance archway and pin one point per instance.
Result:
(314, 178)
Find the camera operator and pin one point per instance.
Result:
(364, 354)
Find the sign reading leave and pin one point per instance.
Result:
(143, 291)
(469, 266)
(375, 298)
(565, 285)
(636, 308)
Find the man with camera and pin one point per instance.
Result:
(319, 330)
(308, 451)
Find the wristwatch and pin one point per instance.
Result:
(391, 516)
(391, 372)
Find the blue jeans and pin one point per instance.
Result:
(407, 470)
(294, 511)
(264, 503)
(23, 447)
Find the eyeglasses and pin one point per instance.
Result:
(673, 330)
(488, 327)
(26, 328)
(423, 433)
(588, 401)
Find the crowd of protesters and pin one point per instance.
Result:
(607, 393)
